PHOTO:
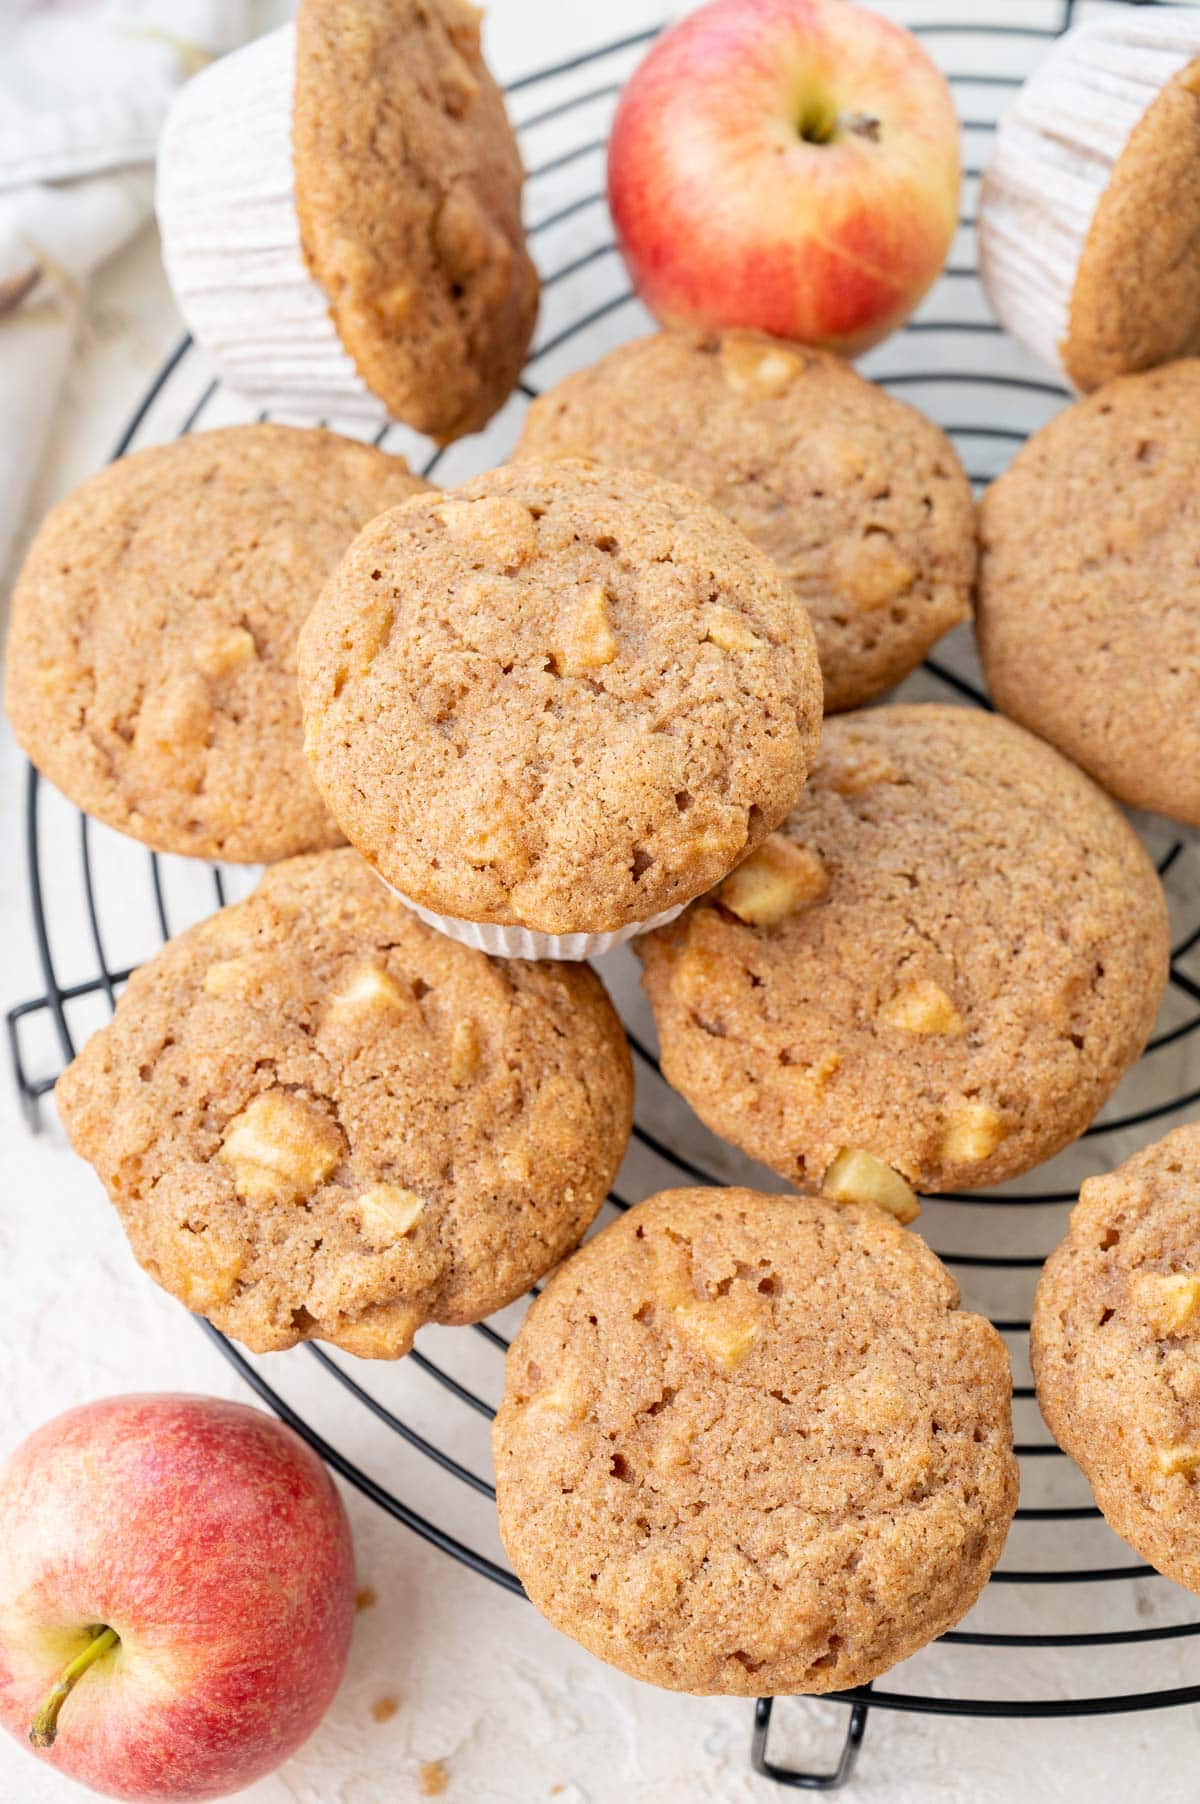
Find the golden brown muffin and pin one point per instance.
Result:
(561, 696)
(1135, 299)
(152, 649)
(750, 1444)
(1089, 209)
(319, 1119)
(945, 960)
(1088, 614)
(408, 194)
(1114, 1342)
(859, 499)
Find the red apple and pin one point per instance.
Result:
(176, 1595)
(785, 165)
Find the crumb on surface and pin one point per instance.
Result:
(384, 1709)
(365, 1598)
(432, 1778)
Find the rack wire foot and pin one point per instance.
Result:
(800, 1781)
(29, 1090)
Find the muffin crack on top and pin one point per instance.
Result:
(750, 1444)
(561, 696)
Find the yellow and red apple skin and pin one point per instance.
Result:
(727, 216)
(213, 1541)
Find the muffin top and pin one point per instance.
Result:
(1089, 208)
(945, 961)
(1135, 301)
(561, 697)
(1114, 1343)
(749, 1444)
(859, 499)
(408, 195)
(152, 650)
(1089, 595)
(320, 1119)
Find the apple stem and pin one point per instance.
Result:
(45, 1723)
(863, 125)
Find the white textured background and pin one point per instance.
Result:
(515, 1712)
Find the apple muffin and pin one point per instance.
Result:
(750, 1444)
(553, 705)
(1114, 1341)
(1089, 210)
(152, 647)
(932, 976)
(319, 1119)
(340, 209)
(1088, 614)
(860, 501)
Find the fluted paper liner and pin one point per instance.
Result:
(231, 239)
(1055, 153)
(525, 942)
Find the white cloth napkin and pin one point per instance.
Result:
(84, 87)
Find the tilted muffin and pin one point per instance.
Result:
(750, 1444)
(319, 1119)
(152, 647)
(1114, 1342)
(557, 703)
(1089, 211)
(940, 966)
(860, 500)
(1088, 615)
(340, 208)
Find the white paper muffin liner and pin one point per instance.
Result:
(524, 942)
(231, 240)
(1056, 149)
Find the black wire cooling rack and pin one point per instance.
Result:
(1068, 1625)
